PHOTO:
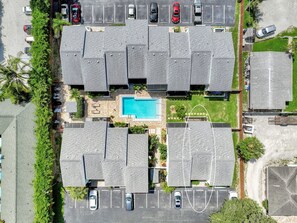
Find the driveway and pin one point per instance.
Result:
(214, 12)
(12, 20)
(278, 12)
(156, 206)
(280, 143)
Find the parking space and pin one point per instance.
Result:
(215, 12)
(112, 203)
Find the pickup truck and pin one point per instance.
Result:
(197, 12)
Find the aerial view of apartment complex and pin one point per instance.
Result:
(148, 111)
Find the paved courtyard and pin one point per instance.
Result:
(157, 206)
(215, 12)
(280, 13)
(280, 144)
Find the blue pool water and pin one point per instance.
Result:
(140, 108)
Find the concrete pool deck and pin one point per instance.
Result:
(100, 107)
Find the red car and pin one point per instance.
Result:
(176, 13)
(75, 13)
(27, 29)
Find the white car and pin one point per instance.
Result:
(93, 200)
(65, 12)
(267, 31)
(27, 10)
(177, 199)
(131, 11)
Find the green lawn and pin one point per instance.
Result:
(290, 32)
(218, 110)
(236, 167)
(234, 31)
(275, 44)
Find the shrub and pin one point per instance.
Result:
(78, 193)
(265, 205)
(139, 87)
(153, 142)
(238, 211)
(195, 182)
(163, 135)
(163, 151)
(120, 124)
(250, 148)
(75, 94)
(94, 94)
(180, 111)
(80, 108)
(166, 188)
(138, 129)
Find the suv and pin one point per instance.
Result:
(267, 31)
(197, 12)
(154, 12)
(27, 10)
(93, 200)
(65, 12)
(129, 201)
(131, 11)
(75, 13)
(177, 199)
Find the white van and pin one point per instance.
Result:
(27, 10)
(131, 11)
(29, 39)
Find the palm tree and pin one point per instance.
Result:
(14, 75)
(58, 24)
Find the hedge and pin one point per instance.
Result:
(80, 108)
(40, 82)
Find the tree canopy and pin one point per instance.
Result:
(250, 148)
(241, 211)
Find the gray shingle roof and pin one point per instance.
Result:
(116, 68)
(197, 146)
(157, 63)
(98, 152)
(137, 61)
(179, 45)
(133, 48)
(18, 142)
(73, 38)
(179, 74)
(282, 191)
(94, 74)
(201, 63)
(270, 80)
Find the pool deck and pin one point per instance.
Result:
(111, 107)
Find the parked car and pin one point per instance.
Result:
(56, 103)
(27, 10)
(153, 12)
(29, 39)
(93, 200)
(75, 13)
(197, 12)
(65, 12)
(176, 13)
(27, 50)
(129, 203)
(177, 199)
(27, 29)
(267, 31)
(131, 11)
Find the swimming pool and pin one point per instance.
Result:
(144, 108)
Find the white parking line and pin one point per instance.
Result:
(87, 202)
(217, 198)
(123, 199)
(75, 203)
(212, 14)
(125, 12)
(170, 201)
(145, 200)
(114, 12)
(93, 17)
(158, 199)
(169, 14)
(205, 198)
(103, 15)
(194, 198)
(224, 12)
(110, 198)
(99, 198)
(191, 14)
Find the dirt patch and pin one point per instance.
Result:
(172, 110)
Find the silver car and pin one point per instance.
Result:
(177, 199)
(129, 201)
(267, 31)
(93, 200)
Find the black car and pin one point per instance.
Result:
(27, 51)
(154, 12)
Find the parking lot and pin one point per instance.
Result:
(157, 205)
(215, 12)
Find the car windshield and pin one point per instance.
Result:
(128, 199)
(264, 31)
